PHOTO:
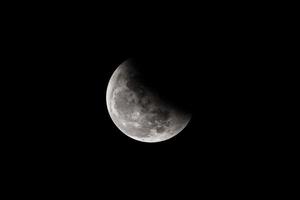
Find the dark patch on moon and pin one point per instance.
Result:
(162, 115)
(160, 129)
(136, 88)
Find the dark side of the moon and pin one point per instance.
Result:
(164, 79)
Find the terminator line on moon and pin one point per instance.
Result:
(138, 111)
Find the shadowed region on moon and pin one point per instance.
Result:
(138, 111)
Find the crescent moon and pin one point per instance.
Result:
(138, 111)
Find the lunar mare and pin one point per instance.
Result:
(138, 111)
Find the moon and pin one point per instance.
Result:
(138, 110)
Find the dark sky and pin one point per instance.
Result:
(205, 69)
(210, 64)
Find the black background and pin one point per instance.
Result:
(214, 62)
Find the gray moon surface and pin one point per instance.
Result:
(138, 111)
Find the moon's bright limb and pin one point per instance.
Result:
(137, 111)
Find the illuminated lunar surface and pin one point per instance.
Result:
(138, 111)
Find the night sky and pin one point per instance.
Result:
(208, 66)
(205, 72)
